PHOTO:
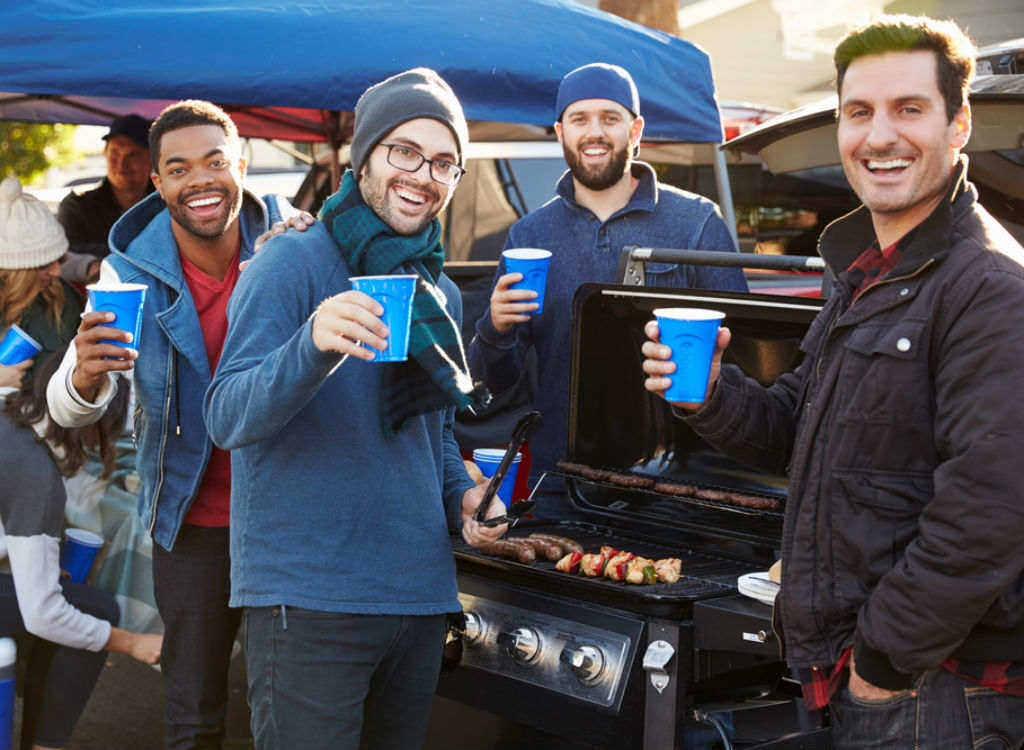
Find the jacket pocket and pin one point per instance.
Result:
(883, 396)
(901, 340)
(874, 516)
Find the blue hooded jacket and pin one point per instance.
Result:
(172, 371)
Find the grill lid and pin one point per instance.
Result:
(625, 433)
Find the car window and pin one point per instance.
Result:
(775, 214)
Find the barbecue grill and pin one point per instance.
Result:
(610, 664)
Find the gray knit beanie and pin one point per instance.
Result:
(416, 93)
(30, 236)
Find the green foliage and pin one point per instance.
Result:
(28, 149)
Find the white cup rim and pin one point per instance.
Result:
(384, 276)
(493, 455)
(526, 253)
(688, 313)
(109, 286)
(21, 332)
(84, 536)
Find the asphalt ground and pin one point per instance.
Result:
(125, 712)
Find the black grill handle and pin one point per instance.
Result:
(634, 256)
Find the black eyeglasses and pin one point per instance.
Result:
(409, 160)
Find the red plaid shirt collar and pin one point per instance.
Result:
(874, 263)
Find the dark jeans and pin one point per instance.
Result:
(58, 679)
(941, 712)
(192, 585)
(341, 681)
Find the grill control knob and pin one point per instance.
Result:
(474, 627)
(523, 644)
(586, 662)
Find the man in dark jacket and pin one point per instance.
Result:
(902, 599)
(87, 217)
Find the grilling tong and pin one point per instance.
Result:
(523, 429)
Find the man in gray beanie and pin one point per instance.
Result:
(346, 479)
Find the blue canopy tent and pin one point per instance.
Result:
(293, 69)
(504, 58)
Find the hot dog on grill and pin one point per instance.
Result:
(542, 547)
(755, 502)
(511, 549)
(567, 545)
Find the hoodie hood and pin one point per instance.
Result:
(140, 236)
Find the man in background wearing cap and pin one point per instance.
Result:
(347, 478)
(184, 242)
(87, 217)
(605, 201)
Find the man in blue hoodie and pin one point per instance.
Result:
(605, 200)
(347, 478)
(185, 242)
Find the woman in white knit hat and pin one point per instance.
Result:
(32, 294)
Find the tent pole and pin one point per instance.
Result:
(724, 192)
(335, 166)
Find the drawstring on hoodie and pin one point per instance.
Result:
(177, 401)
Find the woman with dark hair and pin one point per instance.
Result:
(72, 624)
(32, 294)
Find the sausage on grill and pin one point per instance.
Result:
(542, 548)
(567, 545)
(512, 550)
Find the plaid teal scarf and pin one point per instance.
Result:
(436, 375)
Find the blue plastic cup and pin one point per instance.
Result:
(690, 332)
(78, 553)
(532, 263)
(125, 301)
(8, 669)
(488, 460)
(395, 294)
(18, 346)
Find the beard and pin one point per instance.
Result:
(597, 178)
(215, 226)
(375, 191)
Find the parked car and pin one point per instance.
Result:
(805, 139)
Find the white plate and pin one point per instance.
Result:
(758, 586)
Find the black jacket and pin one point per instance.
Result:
(903, 435)
(87, 218)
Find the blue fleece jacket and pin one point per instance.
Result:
(585, 249)
(326, 513)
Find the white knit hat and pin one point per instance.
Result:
(30, 236)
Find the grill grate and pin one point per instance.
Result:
(703, 575)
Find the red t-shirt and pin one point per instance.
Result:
(213, 501)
